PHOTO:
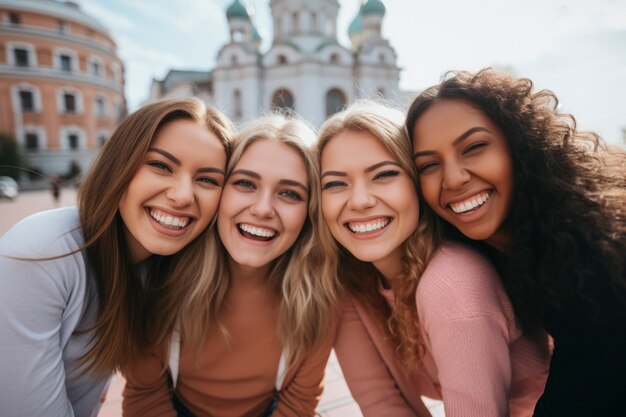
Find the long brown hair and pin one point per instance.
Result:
(306, 293)
(360, 279)
(125, 322)
(569, 194)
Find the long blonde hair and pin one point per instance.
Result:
(127, 321)
(360, 278)
(307, 293)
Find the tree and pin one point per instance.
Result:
(10, 158)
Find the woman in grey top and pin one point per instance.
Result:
(85, 290)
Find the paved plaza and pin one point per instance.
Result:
(336, 400)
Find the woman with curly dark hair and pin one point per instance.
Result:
(501, 165)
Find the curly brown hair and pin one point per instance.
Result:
(568, 195)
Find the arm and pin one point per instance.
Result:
(147, 391)
(467, 320)
(300, 396)
(33, 302)
(368, 378)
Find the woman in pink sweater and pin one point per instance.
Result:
(420, 316)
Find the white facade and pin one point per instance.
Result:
(305, 68)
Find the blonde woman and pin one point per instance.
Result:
(421, 316)
(255, 339)
(78, 283)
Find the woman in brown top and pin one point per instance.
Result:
(256, 334)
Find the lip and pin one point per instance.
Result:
(262, 243)
(474, 215)
(173, 212)
(367, 235)
(167, 231)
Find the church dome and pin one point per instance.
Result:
(373, 7)
(237, 10)
(356, 26)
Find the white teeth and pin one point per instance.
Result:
(257, 231)
(369, 227)
(471, 203)
(169, 221)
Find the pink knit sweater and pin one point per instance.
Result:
(476, 360)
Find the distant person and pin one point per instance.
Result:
(421, 315)
(74, 173)
(255, 340)
(55, 189)
(509, 172)
(80, 287)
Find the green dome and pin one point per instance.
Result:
(356, 26)
(237, 10)
(374, 7)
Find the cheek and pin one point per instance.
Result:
(430, 191)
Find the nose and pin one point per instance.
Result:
(454, 176)
(181, 192)
(361, 198)
(262, 205)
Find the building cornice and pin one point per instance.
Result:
(48, 34)
(26, 73)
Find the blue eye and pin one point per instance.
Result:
(244, 184)
(332, 184)
(160, 165)
(386, 174)
(291, 194)
(208, 180)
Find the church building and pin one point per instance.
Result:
(305, 68)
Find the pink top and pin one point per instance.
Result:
(476, 359)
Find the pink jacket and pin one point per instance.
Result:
(476, 360)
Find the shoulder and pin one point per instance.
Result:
(45, 234)
(459, 282)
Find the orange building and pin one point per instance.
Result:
(61, 84)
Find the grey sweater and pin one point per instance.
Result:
(42, 304)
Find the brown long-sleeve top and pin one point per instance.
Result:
(234, 377)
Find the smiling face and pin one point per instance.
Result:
(368, 201)
(465, 169)
(264, 204)
(175, 193)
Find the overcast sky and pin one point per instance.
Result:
(577, 48)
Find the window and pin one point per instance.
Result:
(335, 101)
(233, 60)
(14, 19)
(237, 99)
(296, 24)
(102, 139)
(21, 57)
(66, 63)
(313, 22)
(69, 102)
(381, 58)
(72, 140)
(31, 142)
(281, 59)
(99, 105)
(27, 101)
(283, 99)
(96, 68)
(62, 26)
(334, 59)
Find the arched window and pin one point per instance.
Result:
(283, 99)
(237, 104)
(335, 101)
(281, 59)
(334, 59)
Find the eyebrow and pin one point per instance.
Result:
(255, 175)
(456, 141)
(178, 163)
(368, 169)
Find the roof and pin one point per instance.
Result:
(237, 10)
(175, 77)
(373, 7)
